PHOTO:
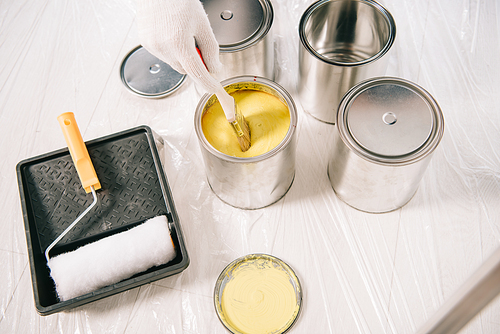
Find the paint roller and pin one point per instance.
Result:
(111, 259)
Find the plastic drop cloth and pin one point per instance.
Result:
(360, 272)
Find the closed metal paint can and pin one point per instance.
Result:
(342, 42)
(243, 30)
(387, 129)
(250, 182)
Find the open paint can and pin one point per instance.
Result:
(342, 42)
(263, 174)
(243, 30)
(387, 129)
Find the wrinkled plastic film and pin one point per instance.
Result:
(360, 272)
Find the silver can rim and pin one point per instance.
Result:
(242, 79)
(260, 34)
(310, 10)
(426, 149)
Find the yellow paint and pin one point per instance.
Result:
(268, 119)
(259, 298)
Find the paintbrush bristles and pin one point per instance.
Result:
(243, 134)
(235, 118)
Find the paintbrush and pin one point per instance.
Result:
(233, 115)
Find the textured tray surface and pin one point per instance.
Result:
(130, 193)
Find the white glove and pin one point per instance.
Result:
(171, 29)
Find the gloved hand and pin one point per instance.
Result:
(171, 29)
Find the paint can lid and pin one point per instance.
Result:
(147, 76)
(237, 24)
(258, 293)
(390, 120)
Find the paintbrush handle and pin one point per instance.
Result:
(226, 101)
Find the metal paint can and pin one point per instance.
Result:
(243, 30)
(387, 129)
(255, 182)
(343, 42)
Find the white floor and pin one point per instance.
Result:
(383, 273)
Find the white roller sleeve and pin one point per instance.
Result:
(112, 259)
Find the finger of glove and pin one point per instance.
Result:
(175, 64)
(166, 57)
(209, 48)
(208, 45)
(167, 27)
(195, 69)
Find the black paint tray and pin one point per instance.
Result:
(134, 189)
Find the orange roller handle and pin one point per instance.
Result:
(78, 151)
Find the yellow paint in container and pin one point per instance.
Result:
(267, 116)
(258, 293)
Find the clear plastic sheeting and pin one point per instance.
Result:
(361, 272)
